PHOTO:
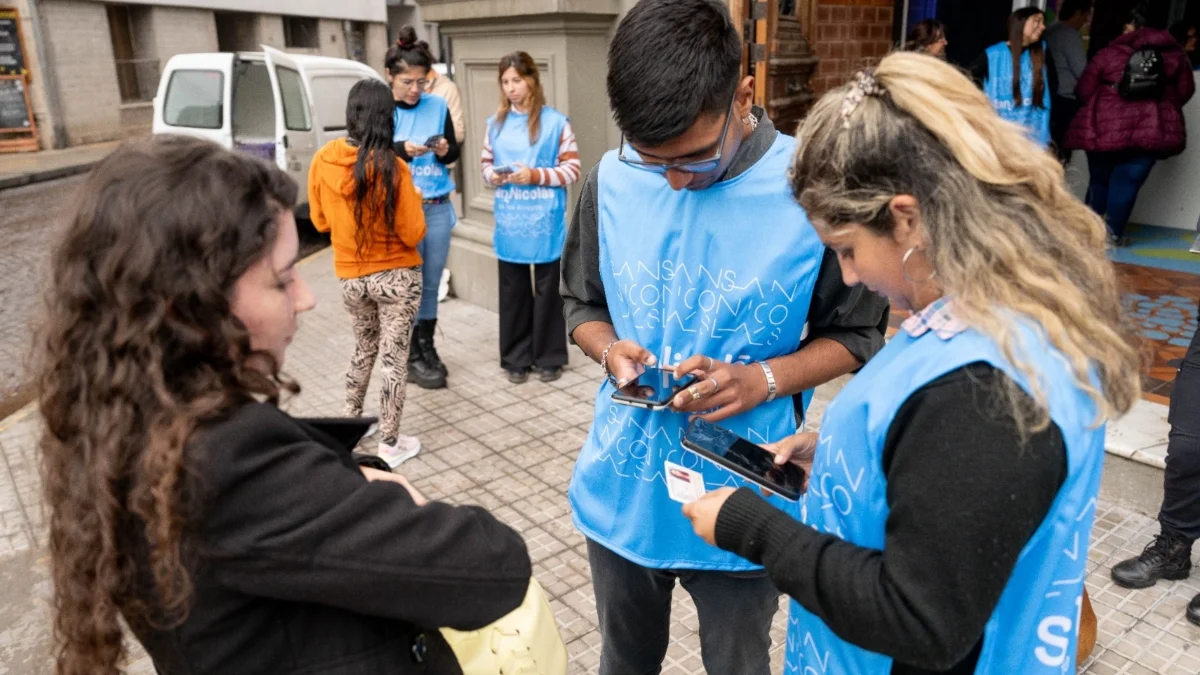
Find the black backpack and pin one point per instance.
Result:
(1145, 78)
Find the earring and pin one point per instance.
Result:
(904, 268)
(751, 120)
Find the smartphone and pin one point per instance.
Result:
(433, 140)
(750, 461)
(503, 170)
(653, 389)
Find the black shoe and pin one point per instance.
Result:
(1193, 610)
(427, 328)
(549, 374)
(1167, 557)
(424, 376)
(518, 376)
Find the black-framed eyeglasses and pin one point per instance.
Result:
(697, 166)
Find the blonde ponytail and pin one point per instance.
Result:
(1003, 233)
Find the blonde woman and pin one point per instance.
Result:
(952, 486)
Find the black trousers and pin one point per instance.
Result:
(1180, 513)
(533, 331)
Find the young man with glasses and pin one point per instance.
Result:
(688, 250)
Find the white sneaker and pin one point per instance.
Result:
(371, 430)
(404, 449)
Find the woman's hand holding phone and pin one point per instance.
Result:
(722, 390)
(441, 147)
(414, 150)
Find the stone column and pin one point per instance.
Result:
(568, 39)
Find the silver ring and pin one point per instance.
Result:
(716, 385)
(711, 363)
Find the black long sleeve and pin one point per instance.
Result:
(452, 154)
(964, 499)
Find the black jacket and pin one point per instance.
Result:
(302, 566)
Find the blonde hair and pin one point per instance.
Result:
(1002, 232)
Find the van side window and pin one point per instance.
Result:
(195, 99)
(330, 93)
(295, 103)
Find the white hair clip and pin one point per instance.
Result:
(864, 85)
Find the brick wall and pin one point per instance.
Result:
(850, 35)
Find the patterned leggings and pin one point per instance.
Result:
(383, 307)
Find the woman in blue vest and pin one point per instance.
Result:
(953, 484)
(530, 156)
(425, 139)
(1024, 99)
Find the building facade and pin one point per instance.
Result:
(94, 66)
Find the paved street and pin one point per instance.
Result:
(33, 217)
(511, 449)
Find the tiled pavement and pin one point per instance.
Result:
(511, 449)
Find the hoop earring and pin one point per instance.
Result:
(904, 268)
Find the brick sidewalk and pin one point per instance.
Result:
(511, 449)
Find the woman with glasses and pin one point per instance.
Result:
(425, 139)
(530, 156)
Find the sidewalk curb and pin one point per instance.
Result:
(44, 175)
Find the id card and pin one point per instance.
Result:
(684, 485)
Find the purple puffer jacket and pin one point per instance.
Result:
(1106, 122)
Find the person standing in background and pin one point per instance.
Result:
(533, 146)
(928, 37)
(1184, 33)
(423, 119)
(1065, 45)
(1124, 130)
(441, 85)
(1015, 74)
(363, 194)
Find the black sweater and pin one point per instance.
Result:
(964, 495)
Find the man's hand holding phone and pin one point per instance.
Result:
(799, 449)
(627, 360)
(722, 390)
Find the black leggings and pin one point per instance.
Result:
(1180, 513)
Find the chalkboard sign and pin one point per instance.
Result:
(12, 56)
(14, 107)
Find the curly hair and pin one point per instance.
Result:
(1001, 229)
(138, 347)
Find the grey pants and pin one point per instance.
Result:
(634, 607)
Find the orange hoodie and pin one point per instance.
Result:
(331, 202)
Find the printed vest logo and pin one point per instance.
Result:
(526, 194)
(426, 170)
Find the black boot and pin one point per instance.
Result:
(420, 372)
(429, 326)
(1193, 610)
(1167, 557)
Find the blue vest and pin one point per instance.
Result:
(431, 177)
(999, 90)
(531, 220)
(1034, 626)
(727, 271)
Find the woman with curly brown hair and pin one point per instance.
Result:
(228, 535)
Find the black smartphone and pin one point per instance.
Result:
(503, 170)
(433, 140)
(653, 389)
(750, 461)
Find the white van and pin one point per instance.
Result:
(281, 107)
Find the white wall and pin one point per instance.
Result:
(356, 10)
